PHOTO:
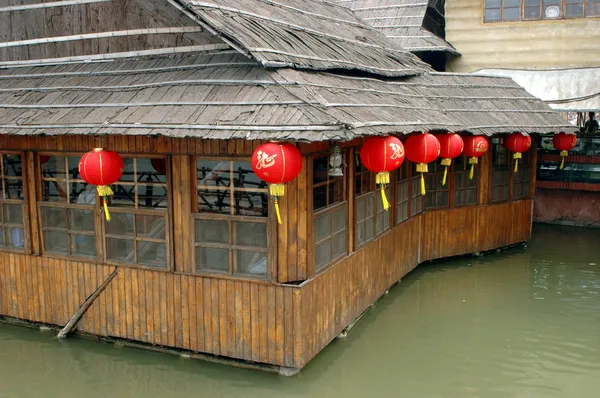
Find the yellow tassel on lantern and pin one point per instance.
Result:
(104, 191)
(422, 168)
(517, 156)
(473, 162)
(563, 155)
(277, 190)
(445, 163)
(382, 179)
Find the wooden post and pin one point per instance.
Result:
(85, 306)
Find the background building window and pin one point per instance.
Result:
(402, 210)
(230, 218)
(138, 232)
(437, 194)
(465, 189)
(330, 214)
(529, 10)
(67, 208)
(522, 178)
(500, 170)
(12, 202)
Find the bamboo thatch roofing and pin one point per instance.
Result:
(225, 95)
(401, 21)
(307, 34)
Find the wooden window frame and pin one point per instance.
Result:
(329, 208)
(417, 205)
(523, 6)
(466, 171)
(507, 169)
(402, 178)
(525, 163)
(99, 219)
(231, 219)
(437, 175)
(27, 244)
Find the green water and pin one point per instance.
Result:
(521, 323)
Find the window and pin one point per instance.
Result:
(230, 218)
(371, 218)
(12, 202)
(529, 10)
(403, 194)
(138, 232)
(522, 178)
(465, 189)
(330, 214)
(437, 194)
(500, 170)
(416, 200)
(67, 208)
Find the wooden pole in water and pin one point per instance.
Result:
(85, 306)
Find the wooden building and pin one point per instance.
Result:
(185, 91)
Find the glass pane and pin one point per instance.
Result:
(533, 3)
(320, 169)
(15, 238)
(147, 172)
(512, 3)
(124, 196)
(211, 259)
(336, 191)
(339, 245)
(54, 191)
(13, 214)
(244, 176)
(120, 250)
(379, 223)
(128, 174)
(81, 220)
(511, 14)
(369, 205)
(150, 226)
(251, 204)
(12, 166)
(323, 254)
(574, 10)
(493, 3)
(54, 217)
(14, 189)
(592, 9)
(212, 231)
(121, 224)
(360, 233)
(250, 234)
(83, 245)
(2, 237)
(153, 196)
(252, 263)
(339, 219)
(82, 193)
(320, 197)
(56, 242)
(53, 166)
(214, 201)
(492, 14)
(73, 163)
(369, 229)
(551, 2)
(322, 227)
(152, 254)
(442, 199)
(386, 220)
(213, 173)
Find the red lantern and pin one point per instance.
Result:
(382, 155)
(422, 149)
(475, 147)
(451, 146)
(101, 168)
(277, 164)
(517, 143)
(564, 143)
(159, 165)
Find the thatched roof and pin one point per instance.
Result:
(307, 34)
(401, 21)
(225, 95)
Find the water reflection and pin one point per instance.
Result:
(521, 323)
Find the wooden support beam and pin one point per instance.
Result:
(85, 306)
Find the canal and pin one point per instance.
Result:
(521, 323)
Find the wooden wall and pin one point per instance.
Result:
(262, 321)
(523, 44)
(106, 16)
